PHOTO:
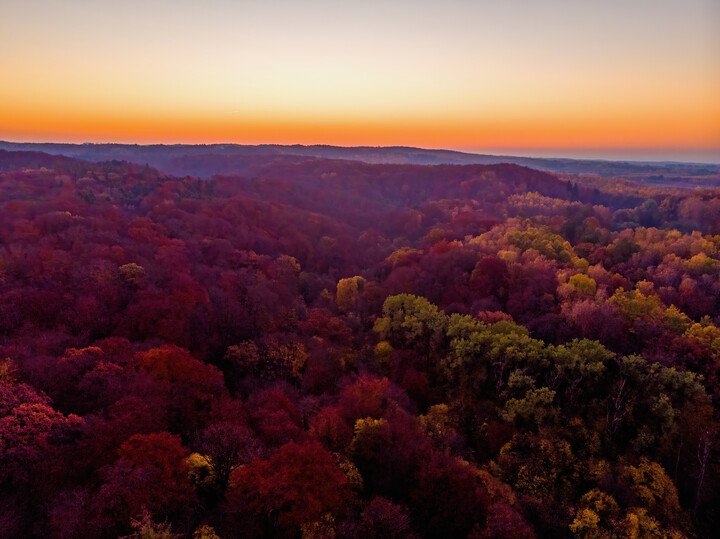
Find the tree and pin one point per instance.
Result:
(29, 434)
(298, 485)
(227, 446)
(534, 409)
(411, 322)
(387, 453)
(463, 502)
(349, 292)
(596, 516)
(275, 416)
(654, 489)
(331, 428)
(382, 519)
(150, 475)
(188, 386)
(582, 364)
(503, 522)
(372, 397)
(583, 285)
(490, 277)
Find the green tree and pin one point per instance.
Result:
(534, 409)
(410, 321)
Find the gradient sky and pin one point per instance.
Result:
(575, 75)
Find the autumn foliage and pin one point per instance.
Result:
(318, 348)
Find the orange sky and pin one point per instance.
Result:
(560, 74)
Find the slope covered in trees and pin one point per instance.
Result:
(208, 159)
(325, 348)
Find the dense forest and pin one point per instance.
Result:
(317, 348)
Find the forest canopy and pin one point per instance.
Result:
(326, 348)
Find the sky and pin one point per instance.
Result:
(557, 77)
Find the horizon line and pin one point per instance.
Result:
(710, 156)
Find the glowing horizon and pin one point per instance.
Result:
(637, 75)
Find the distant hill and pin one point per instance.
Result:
(299, 180)
(205, 160)
(12, 160)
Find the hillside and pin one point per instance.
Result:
(208, 159)
(302, 346)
